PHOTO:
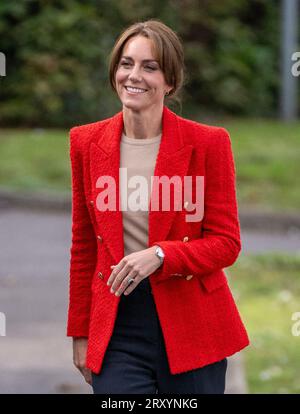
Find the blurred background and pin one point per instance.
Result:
(243, 73)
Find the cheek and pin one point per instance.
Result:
(120, 77)
(159, 90)
(158, 85)
(155, 87)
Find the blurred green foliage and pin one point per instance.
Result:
(57, 54)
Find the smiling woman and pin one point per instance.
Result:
(146, 64)
(136, 277)
(139, 84)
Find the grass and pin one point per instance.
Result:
(266, 154)
(267, 292)
(35, 160)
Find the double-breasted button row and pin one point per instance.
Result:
(99, 238)
(188, 277)
(185, 239)
(98, 235)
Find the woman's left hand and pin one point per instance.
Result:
(137, 265)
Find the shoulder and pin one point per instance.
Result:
(81, 135)
(198, 133)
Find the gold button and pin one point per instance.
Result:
(185, 239)
(91, 202)
(100, 274)
(189, 277)
(99, 238)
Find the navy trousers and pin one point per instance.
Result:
(136, 362)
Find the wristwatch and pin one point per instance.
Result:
(160, 254)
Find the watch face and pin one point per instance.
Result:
(160, 252)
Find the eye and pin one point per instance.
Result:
(147, 67)
(150, 68)
(125, 64)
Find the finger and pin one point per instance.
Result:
(88, 376)
(120, 277)
(125, 286)
(130, 288)
(115, 271)
(85, 373)
(81, 371)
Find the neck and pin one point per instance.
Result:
(142, 124)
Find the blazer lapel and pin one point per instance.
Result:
(172, 160)
(105, 161)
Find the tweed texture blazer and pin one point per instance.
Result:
(197, 312)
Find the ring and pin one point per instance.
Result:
(130, 280)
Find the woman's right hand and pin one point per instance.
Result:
(79, 358)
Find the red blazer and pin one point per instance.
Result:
(199, 318)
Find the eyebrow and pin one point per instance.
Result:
(144, 60)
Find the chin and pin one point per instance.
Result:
(136, 106)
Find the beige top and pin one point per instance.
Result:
(137, 162)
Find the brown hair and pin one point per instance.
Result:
(168, 51)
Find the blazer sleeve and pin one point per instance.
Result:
(83, 250)
(220, 244)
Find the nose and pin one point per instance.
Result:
(134, 75)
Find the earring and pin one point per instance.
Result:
(167, 93)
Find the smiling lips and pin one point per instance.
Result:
(135, 90)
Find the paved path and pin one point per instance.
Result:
(35, 355)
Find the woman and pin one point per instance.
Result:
(150, 309)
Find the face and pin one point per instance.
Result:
(140, 82)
